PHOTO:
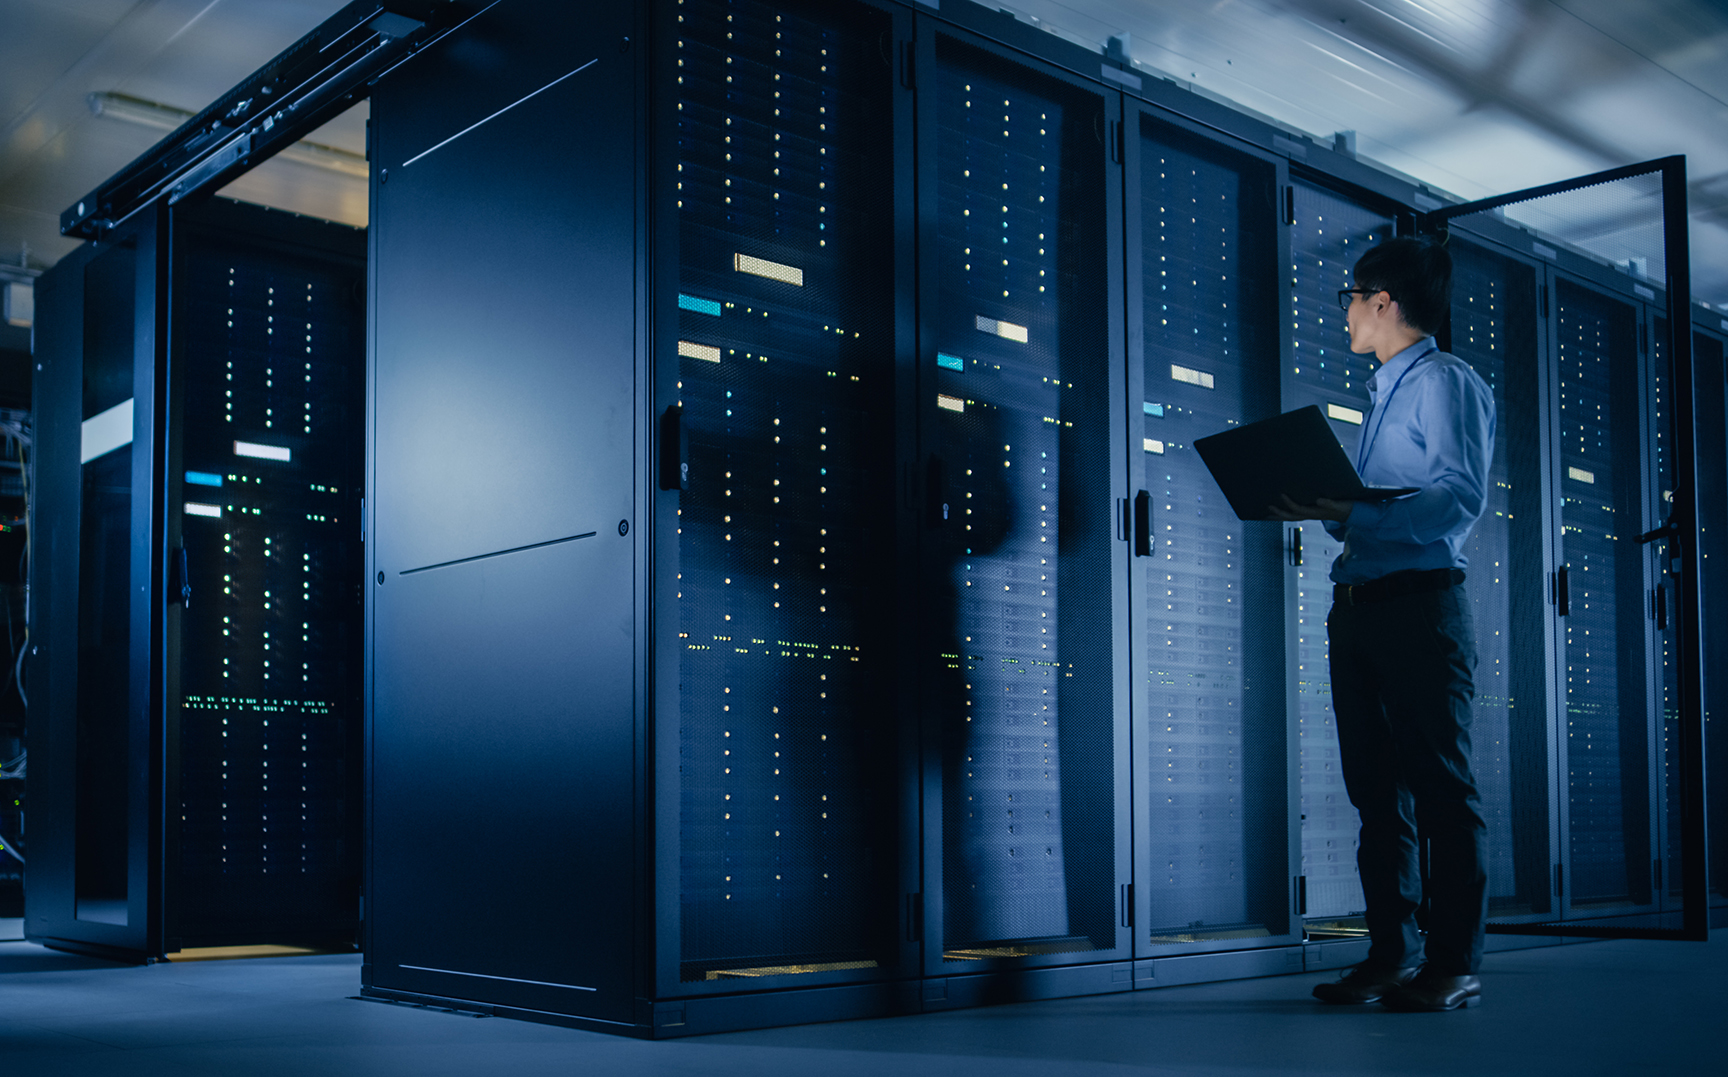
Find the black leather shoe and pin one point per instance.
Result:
(1364, 983)
(1431, 992)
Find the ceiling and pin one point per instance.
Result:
(1472, 97)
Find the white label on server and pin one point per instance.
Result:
(1190, 376)
(263, 452)
(692, 350)
(762, 267)
(1005, 330)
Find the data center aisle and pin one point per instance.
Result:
(1621, 1007)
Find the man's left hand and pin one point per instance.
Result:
(1323, 509)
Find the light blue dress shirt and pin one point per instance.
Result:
(1432, 427)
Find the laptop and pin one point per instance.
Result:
(1294, 453)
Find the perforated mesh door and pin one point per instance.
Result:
(1212, 612)
(1018, 416)
(1493, 328)
(1606, 737)
(1625, 463)
(271, 353)
(1329, 234)
(785, 358)
(1707, 351)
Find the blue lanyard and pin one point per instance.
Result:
(1380, 410)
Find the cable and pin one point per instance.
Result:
(18, 434)
(6, 846)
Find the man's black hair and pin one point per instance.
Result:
(1417, 272)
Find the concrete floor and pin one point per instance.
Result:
(1609, 1008)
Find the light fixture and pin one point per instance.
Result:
(136, 110)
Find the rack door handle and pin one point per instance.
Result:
(674, 450)
(1143, 524)
(936, 491)
(180, 583)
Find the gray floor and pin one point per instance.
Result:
(1599, 1008)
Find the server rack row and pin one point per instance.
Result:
(844, 623)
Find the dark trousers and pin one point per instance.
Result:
(1402, 680)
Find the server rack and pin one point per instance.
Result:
(1219, 791)
(1494, 326)
(1025, 767)
(1329, 229)
(197, 730)
(786, 522)
(692, 688)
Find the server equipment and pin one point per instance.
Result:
(1217, 797)
(791, 589)
(195, 657)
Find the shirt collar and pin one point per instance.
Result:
(1398, 364)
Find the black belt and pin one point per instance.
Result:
(1397, 585)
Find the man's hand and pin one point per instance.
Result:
(1323, 509)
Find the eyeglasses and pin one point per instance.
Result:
(1344, 295)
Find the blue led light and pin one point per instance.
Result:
(700, 306)
(950, 362)
(203, 478)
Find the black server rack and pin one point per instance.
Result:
(791, 592)
(784, 395)
(1217, 796)
(1494, 326)
(1024, 567)
(1603, 670)
(196, 734)
(1329, 230)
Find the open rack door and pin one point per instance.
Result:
(1622, 720)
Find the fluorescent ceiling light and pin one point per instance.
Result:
(136, 110)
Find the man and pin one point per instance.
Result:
(1403, 649)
